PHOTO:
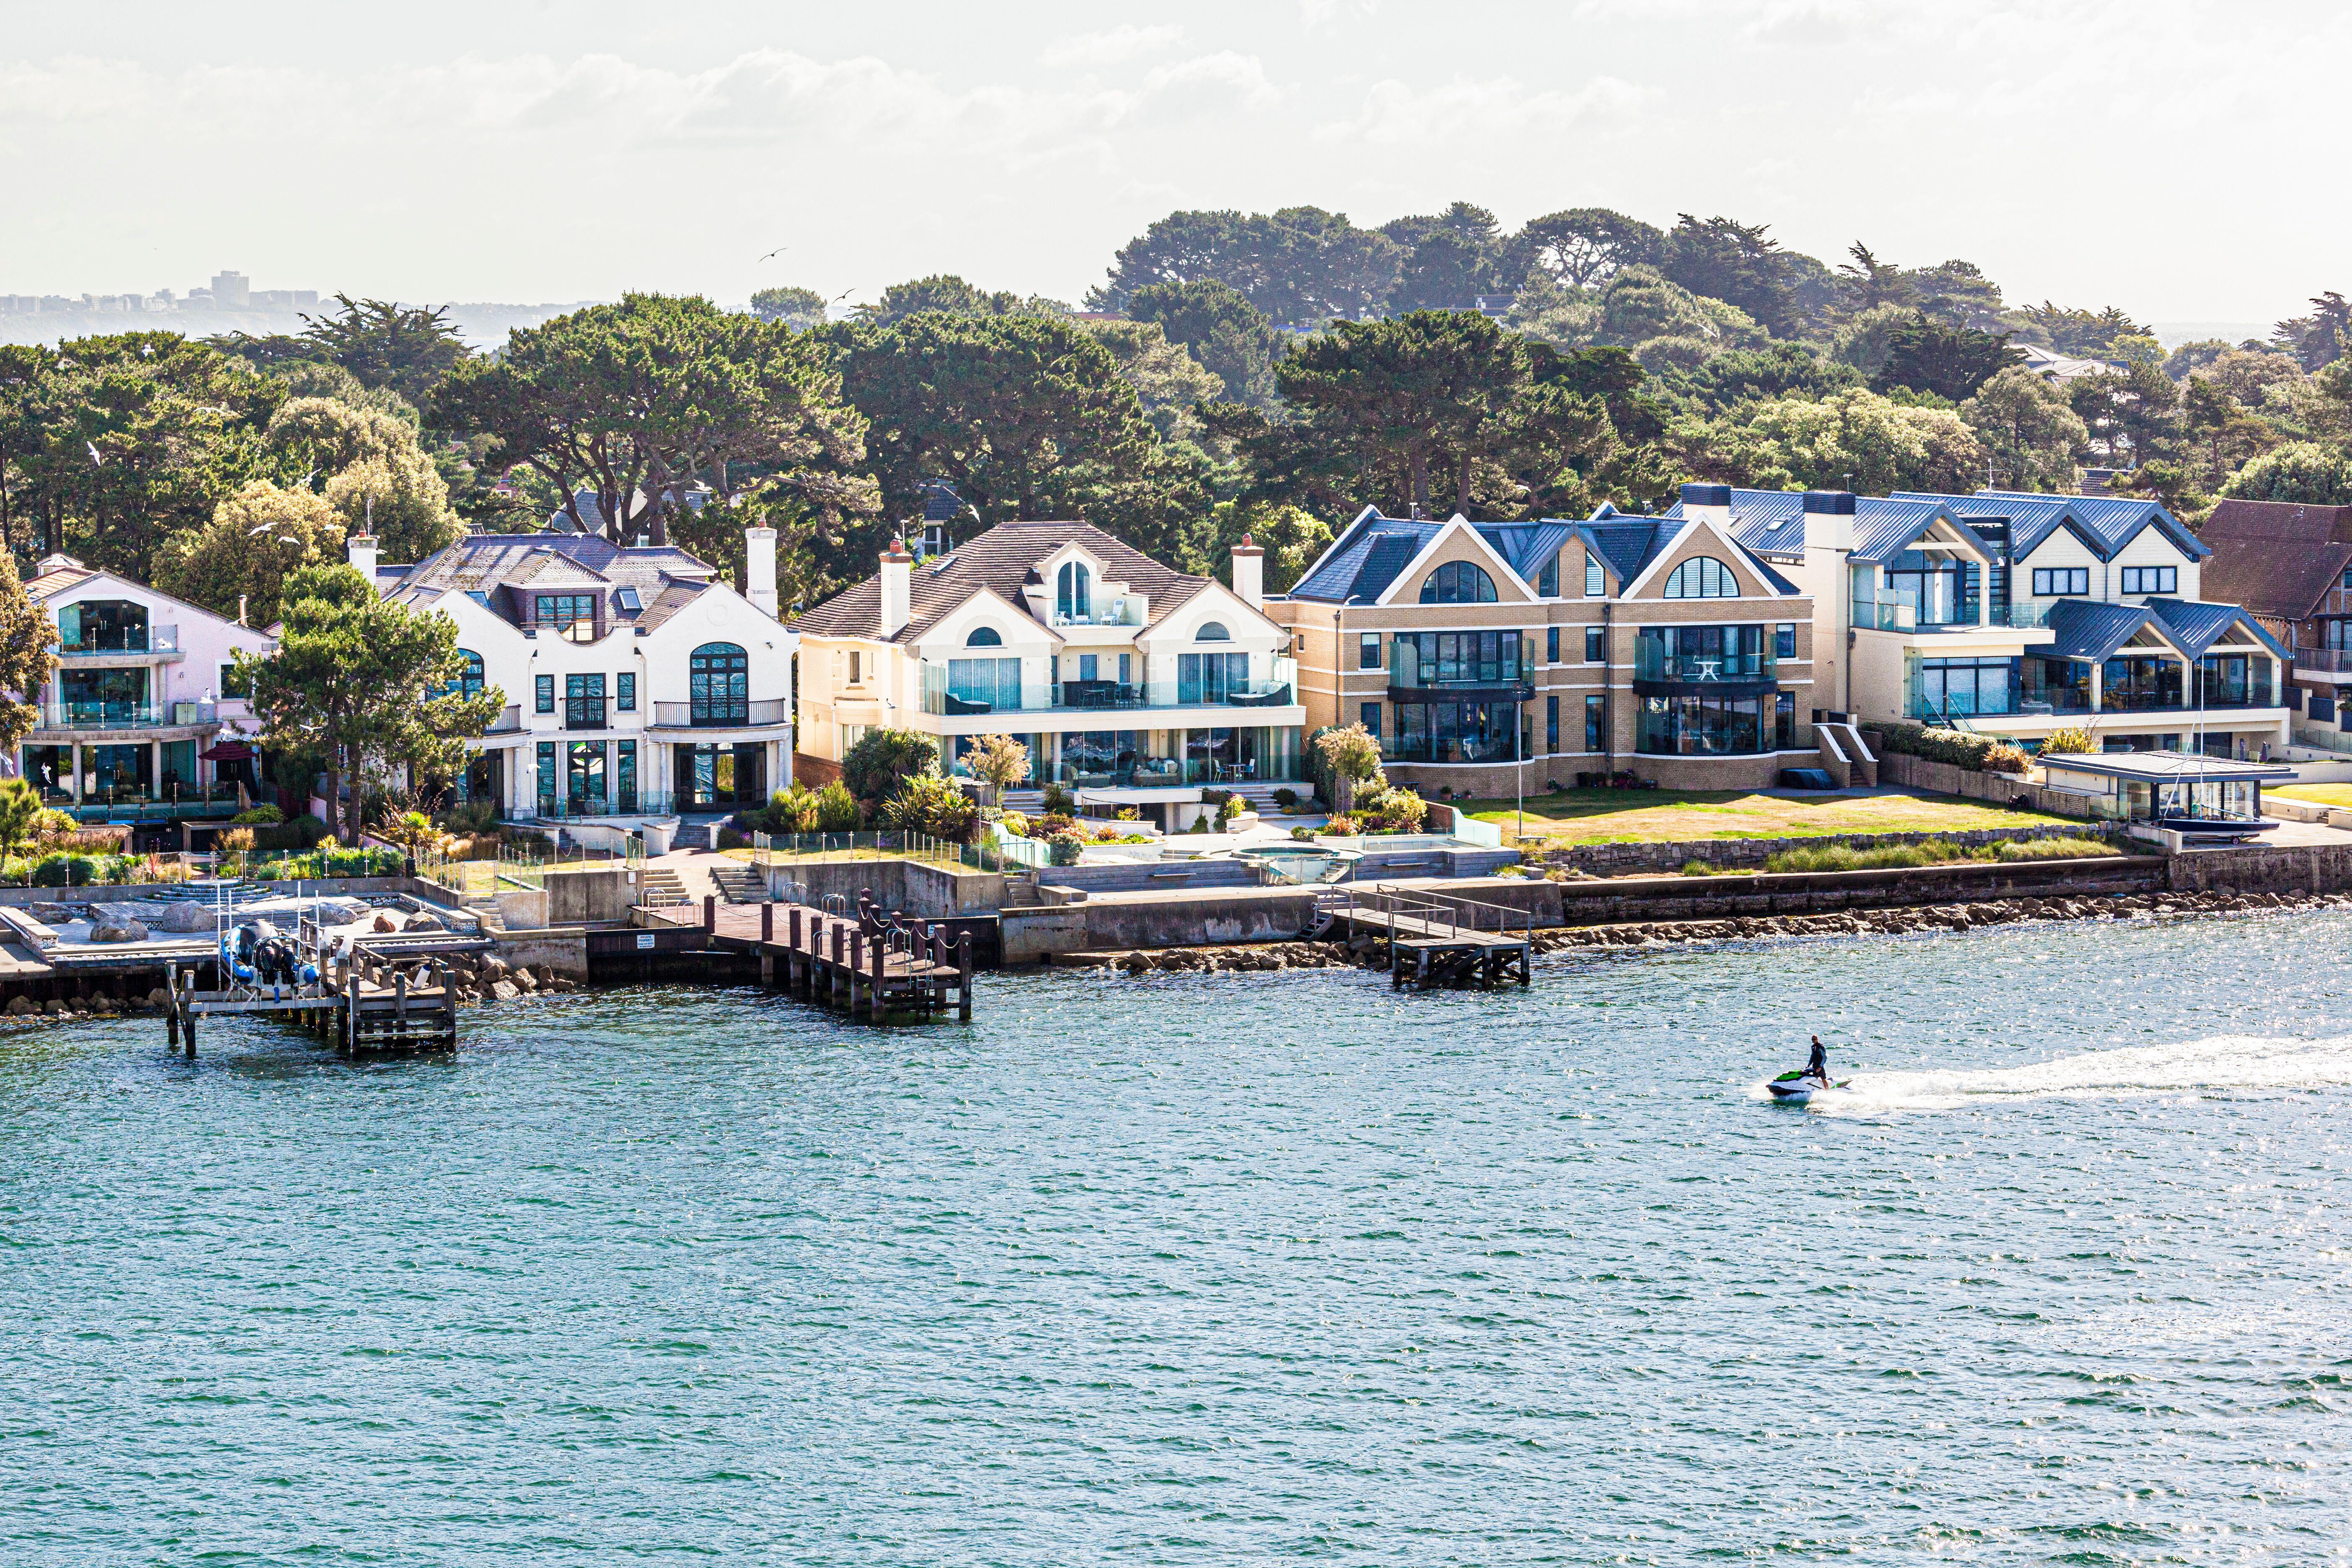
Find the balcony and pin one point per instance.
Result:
(706, 716)
(620, 803)
(94, 642)
(2323, 661)
(584, 712)
(1901, 616)
(1113, 696)
(126, 715)
(509, 720)
(1652, 661)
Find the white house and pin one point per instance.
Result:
(1116, 672)
(637, 686)
(140, 711)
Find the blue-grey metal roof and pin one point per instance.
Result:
(2194, 626)
(1375, 550)
(1773, 522)
(1628, 545)
(2105, 523)
(2089, 630)
(1525, 545)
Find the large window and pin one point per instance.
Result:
(1551, 725)
(1959, 688)
(573, 615)
(1701, 725)
(1368, 714)
(992, 682)
(1455, 733)
(583, 776)
(1596, 585)
(2234, 681)
(1458, 658)
(625, 776)
(1548, 580)
(626, 691)
(1458, 583)
(542, 693)
(2052, 581)
(1211, 677)
(2151, 579)
(2138, 682)
(1099, 756)
(1073, 592)
(1702, 577)
(1702, 654)
(1368, 651)
(1943, 590)
(93, 698)
(1596, 723)
(718, 684)
(584, 702)
(984, 637)
(469, 682)
(102, 625)
(725, 775)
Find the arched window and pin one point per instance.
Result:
(470, 681)
(720, 684)
(1458, 583)
(1212, 631)
(1702, 577)
(983, 637)
(1072, 599)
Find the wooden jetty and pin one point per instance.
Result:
(874, 964)
(361, 1003)
(1435, 937)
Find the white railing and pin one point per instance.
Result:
(682, 715)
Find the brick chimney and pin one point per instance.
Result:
(362, 548)
(759, 569)
(898, 587)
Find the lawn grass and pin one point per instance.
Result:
(2319, 793)
(1662, 816)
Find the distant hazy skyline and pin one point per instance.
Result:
(2165, 158)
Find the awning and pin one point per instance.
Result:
(228, 752)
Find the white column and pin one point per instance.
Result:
(77, 772)
(154, 768)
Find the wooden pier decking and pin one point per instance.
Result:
(362, 1004)
(1435, 938)
(875, 965)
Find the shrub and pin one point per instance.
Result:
(1200, 825)
(1979, 753)
(1303, 834)
(1016, 825)
(260, 816)
(471, 818)
(2073, 741)
(299, 834)
(999, 760)
(52, 825)
(1050, 824)
(2054, 850)
(1342, 827)
(1390, 809)
(884, 756)
(1846, 857)
(1285, 798)
(792, 810)
(1215, 796)
(1110, 836)
(1060, 802)
(1351, 755)
(731, 838)
(931, 805)
(1227, 812)
(1128, 814)
(1064, 848)
(837, 810)
(65, 871)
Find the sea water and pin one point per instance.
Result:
(1217, 1269)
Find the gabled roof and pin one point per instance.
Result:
(1365, 561)
(2090, 630)
(2276, 558)
(1630, 546)
(998, 559)
(2194, 626)
(1772, 522)
(2104, 523)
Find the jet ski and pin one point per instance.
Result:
(1799, 1088)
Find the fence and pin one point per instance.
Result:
(785, 848)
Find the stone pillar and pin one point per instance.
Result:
(77, 772)
(154, 769)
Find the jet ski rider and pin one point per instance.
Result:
(1819, 1067)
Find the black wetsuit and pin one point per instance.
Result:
(1820, 1066)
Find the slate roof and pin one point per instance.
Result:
(1772, 522)
(2105, 523)
(1375, 550)
(496, 569)
(1000, 558)
(2194, 624)
(2276, 558)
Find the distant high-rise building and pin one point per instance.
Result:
(232, 290)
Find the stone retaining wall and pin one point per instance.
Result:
(1624, 860)
(1948, 778)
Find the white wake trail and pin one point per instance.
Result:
(2220, 1064)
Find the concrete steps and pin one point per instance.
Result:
(739, 884)
(658, 886)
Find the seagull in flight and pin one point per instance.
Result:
(773, 254)
(97, 459)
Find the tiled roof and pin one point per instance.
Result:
(998, 559)
(56, 582)
(495, 567)
(2276, 558)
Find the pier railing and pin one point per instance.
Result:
(791, 848)
(1438, 914)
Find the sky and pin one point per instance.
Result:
(2159, 156)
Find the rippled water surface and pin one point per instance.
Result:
(1217, 1270)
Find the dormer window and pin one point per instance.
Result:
(1073, 592)
(573, 615)
(629, 600)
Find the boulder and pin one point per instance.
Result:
(493, 968)
(385, 925)
(159, 997)
(53, 914)
(522, 980)
(22, 1007)
(505, 990)
(422, 922)
(54, 1007)
(129, 931)
(545, 976)
(184, 918)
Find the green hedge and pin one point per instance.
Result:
(1979, 753)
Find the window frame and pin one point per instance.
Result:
(624, 691)
(2046, 578)
(1679, 580)
(1450, 577)
(542, 693)
(1596, 645)
(1368, 650)
(1368, 714)
(1596, 577)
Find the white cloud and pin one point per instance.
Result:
(1124, 42)
(1394, 113)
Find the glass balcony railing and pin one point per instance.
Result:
(723, 715)
(101, 715)
(1653, 660)
(1901, 616)
(101, 639)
